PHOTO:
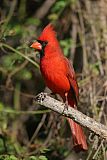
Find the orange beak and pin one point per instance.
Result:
(36, 45)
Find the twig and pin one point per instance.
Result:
(11, 89)
(19, 53)
(82, 36)
(10, 111)
(94, 31)
(55, 105)
(10, 14)
(42, 11)
(37, 129)
(96, 153)
(13, 72)
(73, 34)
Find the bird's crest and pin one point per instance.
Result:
(48, 33)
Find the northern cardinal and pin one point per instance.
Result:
(59, 76)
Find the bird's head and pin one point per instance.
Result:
(47, 39)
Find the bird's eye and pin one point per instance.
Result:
(39, 41)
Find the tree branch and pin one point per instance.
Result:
(57, 106)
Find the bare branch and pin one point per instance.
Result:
(57, 106)
(42, 11)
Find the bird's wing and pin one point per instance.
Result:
(72, 78)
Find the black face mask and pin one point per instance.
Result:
(43, 43)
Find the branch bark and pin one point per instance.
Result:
(57, 106)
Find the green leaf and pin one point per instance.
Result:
(53, 16)
(42, 158)
(33, 158)
(8, 61)
(18, 29)
(7, 157)
(37, 158)
(58, 6)
(12, 157)
(66, 45)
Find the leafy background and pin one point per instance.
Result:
(29, 131)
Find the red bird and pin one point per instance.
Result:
(59, 76)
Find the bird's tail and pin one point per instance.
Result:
(79, 139)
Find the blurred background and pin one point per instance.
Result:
(32, 132)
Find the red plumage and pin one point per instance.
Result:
(59, 76)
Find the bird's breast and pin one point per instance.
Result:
(54, 74)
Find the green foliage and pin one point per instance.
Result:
(1, 106)
(36, 158)
(8, 61)
(12, 157)
(33, 21)
(57, 9)
(24, 74)
(59, 5)
(3, 118)
(42, 158)
(66, 45)
(11, 63)
(8, 157)
(94, 68)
